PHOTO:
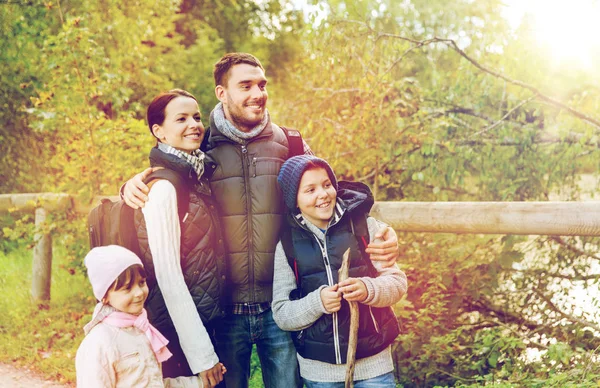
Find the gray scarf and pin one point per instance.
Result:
(195, 159)
(230, 131)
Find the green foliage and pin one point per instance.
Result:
(22, 33)
(78, 95)
(387, 99)
(408, 97)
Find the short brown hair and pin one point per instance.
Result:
(227, 61)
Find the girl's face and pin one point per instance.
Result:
(316, 197)
(129, 299)
(182, 128)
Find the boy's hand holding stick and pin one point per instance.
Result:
(351, 355)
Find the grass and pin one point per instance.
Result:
(45, 338)
(42, 337)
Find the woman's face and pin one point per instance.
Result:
(182, 128)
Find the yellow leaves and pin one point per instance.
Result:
(43, 97)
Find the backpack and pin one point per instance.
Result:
(295, 143)
(111, 222)
(360, 230)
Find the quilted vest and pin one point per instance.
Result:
(202, 262)
(244, 184)
(378, 327)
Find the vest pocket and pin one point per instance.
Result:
(265, 165)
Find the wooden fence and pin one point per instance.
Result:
(524, 218)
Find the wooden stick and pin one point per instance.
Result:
(353, 336)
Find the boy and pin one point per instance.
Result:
(307, 297)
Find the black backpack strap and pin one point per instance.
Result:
(360, 230)
(181, 187)
(295, 143)
(288, 247)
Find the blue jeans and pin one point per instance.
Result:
(383, 381)
(235, 336)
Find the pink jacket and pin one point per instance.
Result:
(112, 357)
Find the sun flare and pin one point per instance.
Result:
(569, 30)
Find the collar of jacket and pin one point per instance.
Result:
(159, 158)
(351, 197)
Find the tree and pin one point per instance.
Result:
(23, 29)
(426, 101)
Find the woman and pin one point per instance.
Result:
(183, 256)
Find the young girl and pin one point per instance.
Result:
(120, 348)
(308, 299)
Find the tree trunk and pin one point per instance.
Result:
(42, 259)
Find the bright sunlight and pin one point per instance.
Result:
(568, 29)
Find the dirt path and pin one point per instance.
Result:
(11, 377)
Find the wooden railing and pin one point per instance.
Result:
(524, 218)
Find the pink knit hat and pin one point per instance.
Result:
(105, 264)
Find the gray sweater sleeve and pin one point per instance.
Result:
(292, 315)
(390, 284)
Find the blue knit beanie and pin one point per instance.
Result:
(291, 173)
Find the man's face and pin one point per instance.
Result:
(244, 97)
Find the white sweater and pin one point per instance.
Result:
(294, 315)
(164, 236)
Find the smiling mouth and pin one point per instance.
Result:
(323, 205)
(193, 136)
(255, 106)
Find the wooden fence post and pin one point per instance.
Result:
(42, 259)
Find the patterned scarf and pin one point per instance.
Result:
(229, 130)
(195, 159)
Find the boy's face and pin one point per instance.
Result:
(129, 300)
(316, 197)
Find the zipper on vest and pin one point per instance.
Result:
(325, 261)
(336, 329)
(246, 170)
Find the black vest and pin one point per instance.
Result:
(378, 327)
(202, 262)
(244, 184)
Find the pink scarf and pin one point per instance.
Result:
(157, 340)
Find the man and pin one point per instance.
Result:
(248, 150)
